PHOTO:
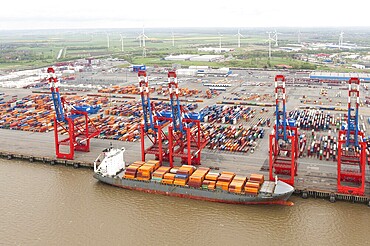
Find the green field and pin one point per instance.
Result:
(31, 49)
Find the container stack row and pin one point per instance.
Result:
(255, 97)
(323, 147)
(141, 170)
(210, 181)
(145, 171)
(131, 170)
(183, 174)
(231, 138)
(197, 178)
(168, 178)
(238, 183)
(36, 111)
(211, 94)
(225, 114)
(128, 89)
(160, 90)
(254, 183)
(314, 120)
(118, 128)
(320, 120)
(158, 175)
(224, 181)
(183, 91)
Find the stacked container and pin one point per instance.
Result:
(253, 185)
(156, 163)
(182, 175)
(226, 114)
(168, 178)
(210, 181)
(197, 178)
(212, 176)
(231, 138)
(224, 180)
(131, 171)
(237, 184)
(158, 174)
(323, 147)
(145, 172)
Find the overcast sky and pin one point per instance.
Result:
(58, 14)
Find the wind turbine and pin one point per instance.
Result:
(173, 39)
(121, 42)
(239, 35)
(139, 37)
(107, 41)
(142, 38)
(220, 42)
(269, 41)
(340, 42)
(275, 37)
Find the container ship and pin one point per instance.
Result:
(189, 182)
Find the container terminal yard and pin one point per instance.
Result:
(238, 114)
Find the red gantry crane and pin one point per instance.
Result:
(71, 119)
(153, 125)
(283, 142)
(186, 139)
(351, 147)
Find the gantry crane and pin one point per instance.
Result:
(283, 142)
(71, 119)
(351, 147)
(153, 125)
(186, 139)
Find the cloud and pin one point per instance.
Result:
(191, 13)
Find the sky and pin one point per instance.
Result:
(72, 14)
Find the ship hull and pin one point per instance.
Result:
(198, 194)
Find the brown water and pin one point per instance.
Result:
(57, 205)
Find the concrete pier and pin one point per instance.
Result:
(316, 179)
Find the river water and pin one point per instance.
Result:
(58, 205)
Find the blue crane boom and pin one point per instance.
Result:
(352, 120)
(281, 121)
(57, 101)
(145, 101)
(175, 102)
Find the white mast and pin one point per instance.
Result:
(269, 41)
(173, 39)
(107, 41)
(220, 42)
(239, 35)
(121, 42)
(340, 42)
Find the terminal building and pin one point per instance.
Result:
(339, 76)
(202, 58)
(202, 71)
